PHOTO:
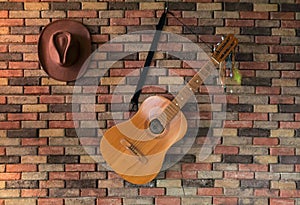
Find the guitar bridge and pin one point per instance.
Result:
(134, 150)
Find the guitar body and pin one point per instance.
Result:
(135, 149)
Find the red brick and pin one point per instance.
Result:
(2, 151)
(293, 125)
(97, 38)
(196, 167)
(144, 14)
(2, 100)
(64, 175)
(268, 90)
(3, 14)
(282, 15)
(83, 14)
(49, 201)
(109, 201)
(34, 193)
(182, 72)
(282, 151)
(281, 100)
(11, 73)
(152, 191)
(3, 48)
(31, 38)
(238, 175)
(36, 90)
(34, 142)
(247, 73)
(254, 15)
(225, 200)
(266, 193)
(9, 125)
(187, 21)
(253, 167)
(290, 74)
(265, 141)
(281, 49)
(21, 168)
(297, 167)
(173, 174)
(23, 65)
(22, 116)
(93, 193)
(108, 99)
(297, 116)
(189, 174)
(154, 89)
(267, 39)
(210, 191)
(276, 201)
(81, 116)
(167, 201)
(63, 124)
(253, 116)
(52, 99)
(80, 167)
(134, 64)
(124, 21)
(227, 99)
(290, 193)
(238, 124)
(52, 184)
(11, 22)
(254, 65)
(290, 24)
(9, 176)
(51, 150)
(226, 150)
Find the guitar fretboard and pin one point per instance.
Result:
(185, 94)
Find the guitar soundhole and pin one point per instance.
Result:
(156, 127)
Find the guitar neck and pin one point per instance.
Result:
(185, 94)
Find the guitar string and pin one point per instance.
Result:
(168, 114)
(171, 110)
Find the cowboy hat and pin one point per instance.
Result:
(63, 47)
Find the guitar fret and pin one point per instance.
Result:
(221, 52)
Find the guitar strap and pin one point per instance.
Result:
(135, 99)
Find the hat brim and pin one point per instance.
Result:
(55, 70)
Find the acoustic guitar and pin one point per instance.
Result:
(135, 149)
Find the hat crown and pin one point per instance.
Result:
(63, 48)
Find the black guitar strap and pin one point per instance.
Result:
(135, 99)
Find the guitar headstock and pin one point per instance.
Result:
(224, 49)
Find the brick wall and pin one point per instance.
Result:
(257, 159)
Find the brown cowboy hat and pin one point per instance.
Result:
(63, 47)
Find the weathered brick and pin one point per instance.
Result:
(255, 183)
(54, 6)
(237, 159)
(289, 159)
(289, 108)
(286, 7)
(123, 5)
(63, 159)
(15, 151)
(81, 183)
(254, 132)
(261, 31)
(22, 184)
